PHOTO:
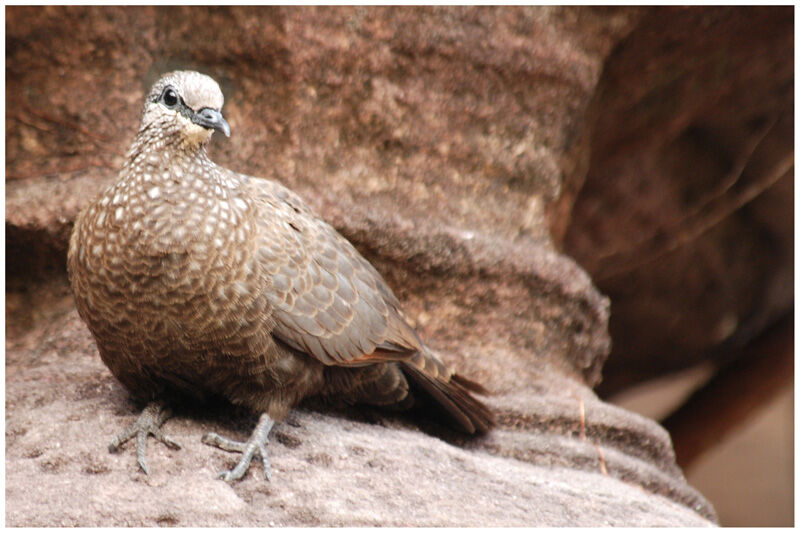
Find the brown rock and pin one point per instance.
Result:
(686, 217)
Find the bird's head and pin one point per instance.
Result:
(184, 107)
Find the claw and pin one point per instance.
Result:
(148, 423)
(254, 446)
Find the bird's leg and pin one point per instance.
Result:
(148, 423)
(256, 445)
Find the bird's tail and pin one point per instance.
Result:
(452, 392)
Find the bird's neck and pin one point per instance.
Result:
(171, 174)
(162, 158)
(166, 144)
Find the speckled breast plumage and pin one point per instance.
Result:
(166, 279)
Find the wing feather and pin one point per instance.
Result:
(327, 300)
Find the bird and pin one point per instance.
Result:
(199, 283)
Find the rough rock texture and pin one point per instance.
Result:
(686, 217)
(447, 144)
(357, 468)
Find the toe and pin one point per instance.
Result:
(218, 441)
(159, 436)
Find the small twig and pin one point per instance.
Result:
(602, 458)
(582, 420)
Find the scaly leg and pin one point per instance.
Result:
(256, 445)
(148, 423)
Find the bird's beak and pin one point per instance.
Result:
(212, 119)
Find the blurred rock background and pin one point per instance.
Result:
(686, 221)
(505, 169)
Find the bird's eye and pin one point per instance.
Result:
(169, 97)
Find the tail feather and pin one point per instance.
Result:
(451, 391)
(470, 385)
(453, 395)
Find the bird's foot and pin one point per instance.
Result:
(256, 445)
(148, 423)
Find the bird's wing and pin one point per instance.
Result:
(327, 300)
